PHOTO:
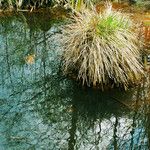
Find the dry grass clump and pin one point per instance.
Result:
(101, 48)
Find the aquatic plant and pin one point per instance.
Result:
(102, 48)
(19, 4)
(143, 5)
(76, 4)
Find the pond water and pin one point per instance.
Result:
(42, 110)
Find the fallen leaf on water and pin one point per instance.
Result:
(30, 59)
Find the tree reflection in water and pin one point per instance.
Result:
(40, 109)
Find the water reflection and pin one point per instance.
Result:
(40, 109)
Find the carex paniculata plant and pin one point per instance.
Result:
(101, 48)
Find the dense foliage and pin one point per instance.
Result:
(15, 4)
(75, 4)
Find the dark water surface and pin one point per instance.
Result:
(42, 110)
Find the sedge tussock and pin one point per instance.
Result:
(101, 48)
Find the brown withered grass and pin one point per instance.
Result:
(102, 48)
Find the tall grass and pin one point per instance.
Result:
(77, 4)
(17, 4)
(101, 48)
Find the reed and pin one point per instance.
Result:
(19, 4)
(78, 5)
(102, 48)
